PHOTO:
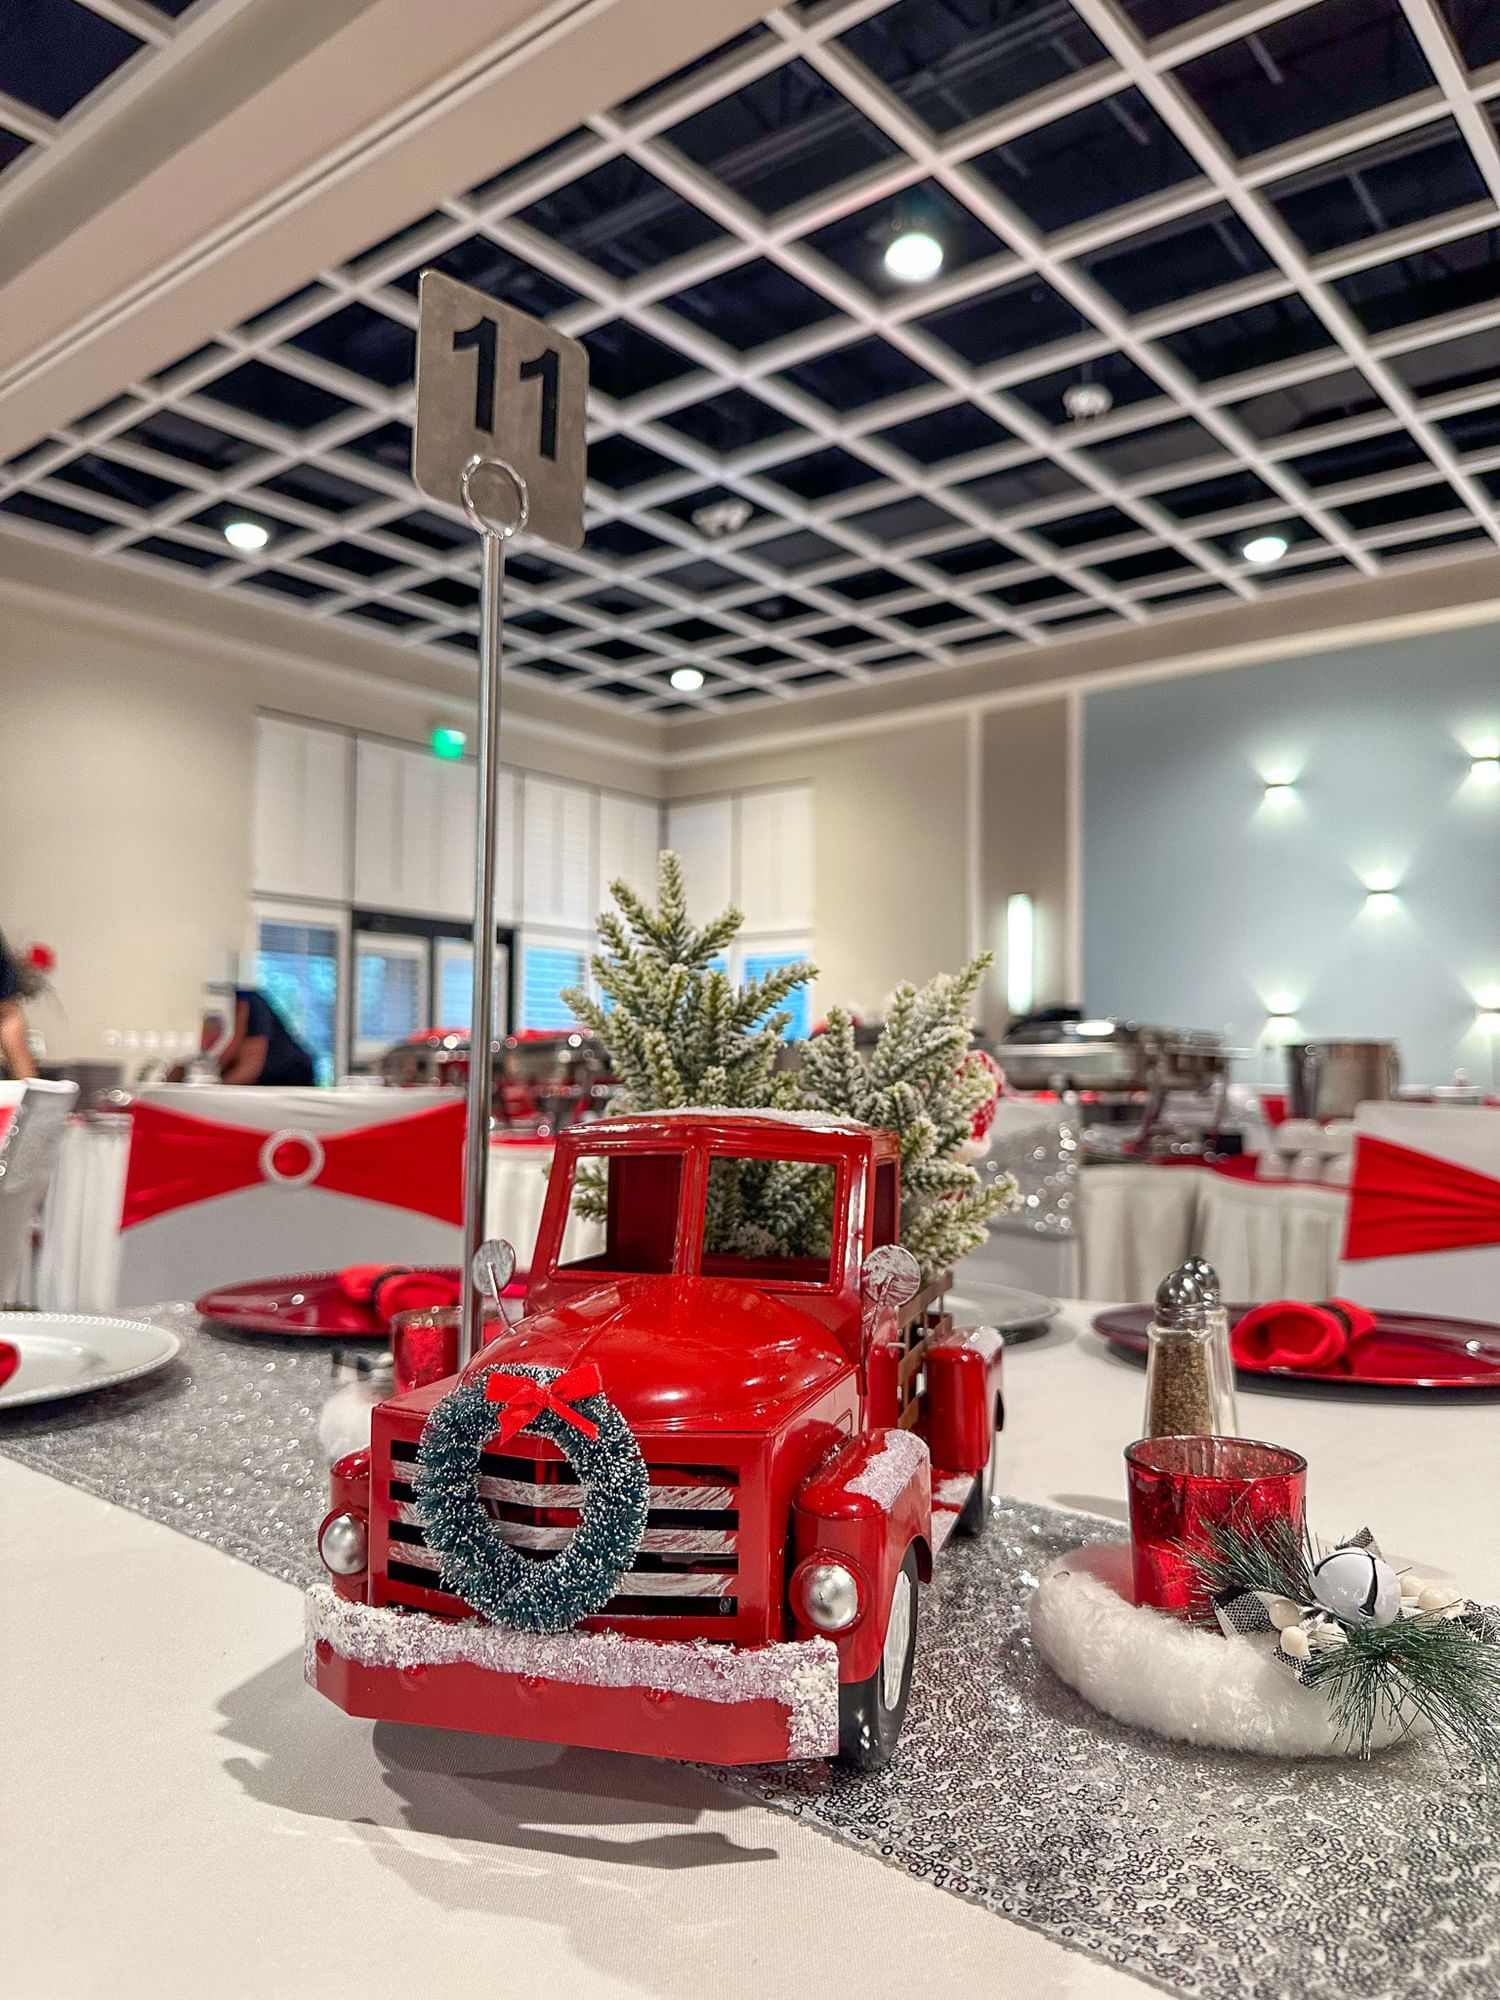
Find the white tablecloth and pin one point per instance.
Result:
(197, 1822)
(1266, 1239)
(78, 1268)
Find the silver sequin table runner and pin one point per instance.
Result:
(1231, 1878)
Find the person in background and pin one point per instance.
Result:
(15, 1049)
(261, 1047)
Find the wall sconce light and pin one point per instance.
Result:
(1020, 954)
(1280, 794)
(1381, 898)
(1485, 771)
(1281, 1030)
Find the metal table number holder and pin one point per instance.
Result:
(493, 537)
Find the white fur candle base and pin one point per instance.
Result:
(1178, 1680)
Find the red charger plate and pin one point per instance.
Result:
(308, 1302)
(1404, 1351)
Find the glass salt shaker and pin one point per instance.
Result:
(1221, 1355)
(1180, 1397)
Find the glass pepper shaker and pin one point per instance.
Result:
(1221, 1356)
(1180, 1396)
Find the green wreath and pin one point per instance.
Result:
(501, 1584)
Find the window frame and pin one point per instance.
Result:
(327, 916)
(394, 944)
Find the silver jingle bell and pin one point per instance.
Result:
(1357, 1587)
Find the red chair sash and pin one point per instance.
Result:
(414, 1163)
(1408, 1204)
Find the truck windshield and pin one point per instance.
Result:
(768, 1221)
(622, 1213)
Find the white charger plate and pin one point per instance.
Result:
(1003, 1307)
(69, 1354)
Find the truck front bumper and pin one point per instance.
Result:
(598, 1690)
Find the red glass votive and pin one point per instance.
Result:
(1181, 1487)
(424, 1345)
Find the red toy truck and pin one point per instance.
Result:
(813, 1428)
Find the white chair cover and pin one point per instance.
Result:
(34, 1115)
(273, 1230)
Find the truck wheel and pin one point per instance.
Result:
(975, 1516)
(871, 1711)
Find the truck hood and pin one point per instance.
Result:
(682, 1353)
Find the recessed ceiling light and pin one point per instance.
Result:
(1084, 401)
(722, 517)
(1265, 548)
(914, 256)
(686, 680)
(246, 535)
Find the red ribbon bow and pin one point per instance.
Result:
(415, 1162)
(523, 1399)
(1403, 1203)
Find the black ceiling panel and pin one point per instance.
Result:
(803, 472)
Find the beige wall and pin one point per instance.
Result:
(126, 767)
(127, 760)
(889, 850)
(1024, 776)
(921, 832)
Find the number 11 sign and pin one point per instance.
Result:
(494, 383)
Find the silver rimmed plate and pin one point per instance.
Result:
(1003, 1307)
(69, 1354)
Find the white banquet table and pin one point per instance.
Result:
(182, 1816)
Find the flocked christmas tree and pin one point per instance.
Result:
(681, 1034)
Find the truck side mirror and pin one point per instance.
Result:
(888, 1277)
(494, 1267)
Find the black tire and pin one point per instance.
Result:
(869, 1722)
(975, 1515)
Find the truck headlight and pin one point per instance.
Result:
(827, 1593)
(343, 1543)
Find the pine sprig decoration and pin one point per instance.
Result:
(922, 1083)
(1427, 1664)
(680, 1034)
(1273, 1556)
(677, 1031)
(1430, 1665)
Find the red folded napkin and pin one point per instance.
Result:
(1297, 1333)
(10, 1361)
(393, 1288)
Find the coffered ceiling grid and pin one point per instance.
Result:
(1300, 339)
(63, 61)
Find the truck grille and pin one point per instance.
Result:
(687, 1566)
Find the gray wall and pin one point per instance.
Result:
(1205, 907)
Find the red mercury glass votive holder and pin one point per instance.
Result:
(424, 1343)
(1182, 1487)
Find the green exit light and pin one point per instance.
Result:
(449, 744)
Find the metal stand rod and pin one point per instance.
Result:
(482, 1012)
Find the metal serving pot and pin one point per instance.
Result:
(1329, 1079)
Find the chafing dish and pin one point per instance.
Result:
(544, 1079)
(1125, 1071)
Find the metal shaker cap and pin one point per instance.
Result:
(1206, 1278)
(1180, 1302)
